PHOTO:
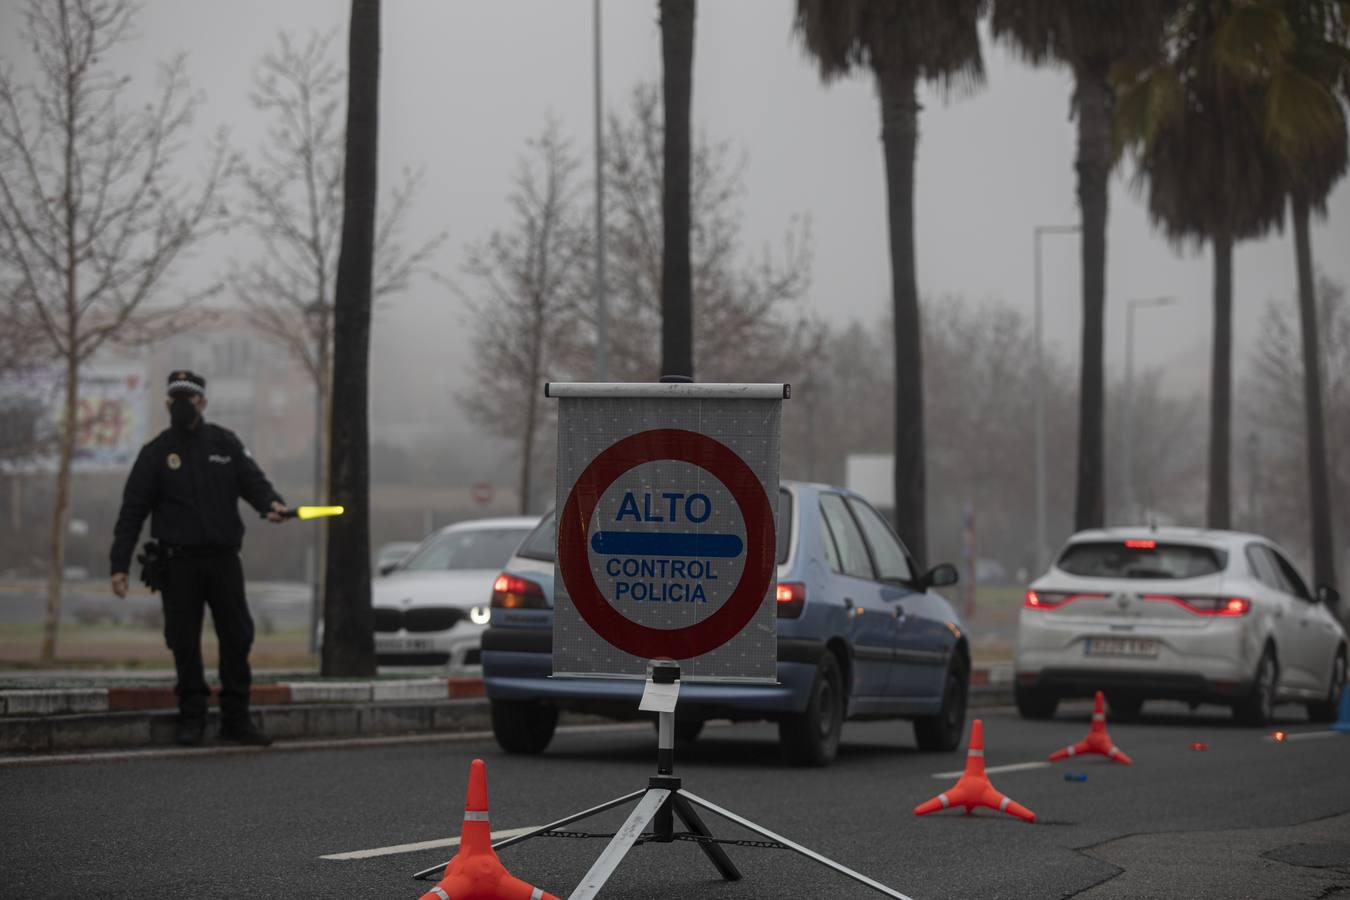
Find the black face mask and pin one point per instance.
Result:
(182, 413)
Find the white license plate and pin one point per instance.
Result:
(402, 645)
(1113, 646)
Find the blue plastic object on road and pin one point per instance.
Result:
(1075, 776)
(1342, 723)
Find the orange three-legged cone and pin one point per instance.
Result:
(475, 873)
(1097, 741)
(974, 788)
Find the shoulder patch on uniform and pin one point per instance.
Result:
(174, 461)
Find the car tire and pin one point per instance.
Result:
(1327, 710)
(1035, 704)
(811, 737)
(1258, 707)
(942, 733)
(523, 726)
(1125, 707)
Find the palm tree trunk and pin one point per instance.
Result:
(1319, 496)
(349, 642)
(1221, 386)
(677, 309)
(1094, 169)
(899, 141)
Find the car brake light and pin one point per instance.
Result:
(1141, 544)
(791, 597)
(1054, 599)
(513, 592)
(1207, 606)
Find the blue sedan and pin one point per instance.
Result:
(861, 635)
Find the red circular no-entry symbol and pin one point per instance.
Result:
(574, 560)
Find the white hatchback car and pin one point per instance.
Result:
(432, 609)
(1182, 614)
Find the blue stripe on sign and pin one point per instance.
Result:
(661, 543)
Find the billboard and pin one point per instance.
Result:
(667, 508)
(111, 419)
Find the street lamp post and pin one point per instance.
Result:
(1127, 444)
(1042, 553)
(601, 312)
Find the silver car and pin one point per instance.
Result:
(1178, 613)
(431, 610)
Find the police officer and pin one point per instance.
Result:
(190, 479)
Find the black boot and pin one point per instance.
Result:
(190, 731)
(245, 733)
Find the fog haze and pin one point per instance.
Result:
(463, 84)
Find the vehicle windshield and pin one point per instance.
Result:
(1141, 559)
(544, 539)
(479, 548)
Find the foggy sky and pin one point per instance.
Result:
(465, 83)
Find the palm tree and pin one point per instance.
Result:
(1089, 38)
(1306, 126)
(902, 42)
(349, 623)
(677, 308)
(1197, 132)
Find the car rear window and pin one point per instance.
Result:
(543, 541)
(1141, 559)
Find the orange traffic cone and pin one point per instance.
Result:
(475, 873)
(1097, 741)
(974, 788)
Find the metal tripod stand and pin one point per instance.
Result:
(658, 804)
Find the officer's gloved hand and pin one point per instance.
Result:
(119, 584)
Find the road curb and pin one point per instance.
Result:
(62, 701)
(155, 728)
(53, 734)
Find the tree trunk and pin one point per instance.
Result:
(677, 308)
(1319, 495)
(349, 642)
(531, 413)
(1221, 387)
(61, 508)
(899, 141)
(1094, 170)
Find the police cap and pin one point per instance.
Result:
(183, 381)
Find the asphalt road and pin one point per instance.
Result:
(1248, 817)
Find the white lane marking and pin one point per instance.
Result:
(421, 845)
(1303, 736)
(994, 770)
(287, 745)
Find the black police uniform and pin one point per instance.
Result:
(189, 481)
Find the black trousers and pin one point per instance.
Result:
(191, 584)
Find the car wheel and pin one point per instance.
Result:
(1258, 707)
(1034, 704)
(1124, 706)
(942, 733)
(811, 737)
(1327, 710)
(523, 726)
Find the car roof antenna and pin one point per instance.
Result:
(1153, 522)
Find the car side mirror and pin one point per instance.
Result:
(1328, 596)
(941, 575)
(386, 568)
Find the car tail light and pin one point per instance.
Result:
(513, 592)
(1141, 544)
(1228, 607)
(1054, 599)
(791, 599)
